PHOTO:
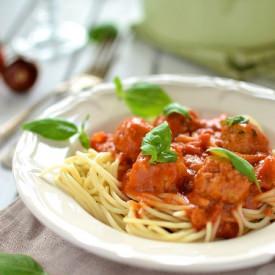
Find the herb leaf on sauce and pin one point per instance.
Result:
(232, 120)
(157, 144)
(19, 265)
(240, 164)
(144, 99)
(176, 108)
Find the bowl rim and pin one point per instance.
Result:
(57, 225)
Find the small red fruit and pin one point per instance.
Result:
(20, 75)
(2, 58)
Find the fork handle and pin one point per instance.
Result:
(76, 84)
(8, 128)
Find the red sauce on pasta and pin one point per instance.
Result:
(211, 185)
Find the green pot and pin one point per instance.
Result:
(238, 32)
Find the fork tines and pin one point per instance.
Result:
(103, 58)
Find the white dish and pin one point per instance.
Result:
(66, 218)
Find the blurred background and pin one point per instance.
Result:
(45, 42)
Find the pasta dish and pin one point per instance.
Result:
(179, 177)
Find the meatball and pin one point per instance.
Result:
(254, 158)
(199, 218)
(193, 162)
(217, 189)
(180, 124)
(244, 138)
(154, 178)
(266, 172)
(218, 180)
(102, 142)
(227, 230)
(129, 134)
(228, 227)
(214, 123)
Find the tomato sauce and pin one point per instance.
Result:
(211, 185)
(156, 179)
(129, 134)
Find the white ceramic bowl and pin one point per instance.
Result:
(66, 218)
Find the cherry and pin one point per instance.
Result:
(2, 58)
(20, 75)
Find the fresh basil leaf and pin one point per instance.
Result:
(159, 137)
(236, 120)
(15, 264)
(157, 144)
(52, 128)
(167, 156)
(176, 108)
(150, 150)
(144, 99)
(240, 164)
(103, 32)
(83, 136)
(119, 87)
(84, 140)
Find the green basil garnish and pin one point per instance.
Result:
(83, 136)
(58, 129)
(15, 264)
(176, 108)
(52, 128)
(144, 99)
(240, 164)
(157, 144)
(232, 120)
(103, 32)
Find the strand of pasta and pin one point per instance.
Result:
(208, 233)
(239, 221)
(113, 211)
(165, 206)
(101, 189)
(147, 227)
(215, 228)
(109, 209)
(139, 229)
(254, 214)
(156, 222)
(266, 195)
(67, 183)
(157, 213)
(252, 225)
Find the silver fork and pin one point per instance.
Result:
(94, 75)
